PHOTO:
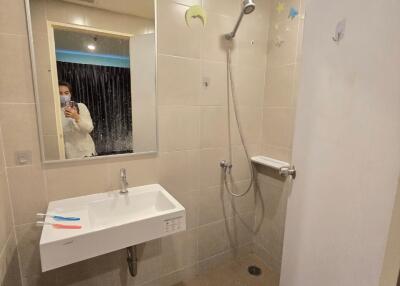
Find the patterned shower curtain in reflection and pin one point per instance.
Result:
(106, 91)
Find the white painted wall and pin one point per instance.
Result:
(346, 146)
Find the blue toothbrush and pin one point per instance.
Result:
(59, 218)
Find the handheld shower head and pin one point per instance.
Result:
(248, 6)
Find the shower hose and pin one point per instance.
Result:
(231, 94)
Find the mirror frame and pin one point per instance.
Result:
(37, 100)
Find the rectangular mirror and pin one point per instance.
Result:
(95, 77)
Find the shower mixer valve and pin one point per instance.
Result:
(226, 166)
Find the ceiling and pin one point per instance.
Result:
(79, 41)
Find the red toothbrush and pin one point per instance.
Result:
(59, 225)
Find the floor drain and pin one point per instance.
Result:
(254, 270)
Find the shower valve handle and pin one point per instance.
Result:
(227, 166)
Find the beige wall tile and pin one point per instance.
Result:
(9, 264)
(174, 36)
(252, 53)
(178, 80)
(179, 128)
(278, 126)
(279, 86)
(6, 222)
(246, 203)
(210, 171)
(214, 45)
(286, 32)
(214, 205)
(28, 237)
(240, 229)
(215, 93)
(279, 153)
(241, 169)
(102, 270)
(213, 127)
(190, 202)
(28, 193)
(19, 131)
(250, 119)
(44, 279)
(178, 171)
(110, 269)
(223, 7)
(213, 239)
(16, 79)
(179, 251)
(249, 86)
(188, 2)
(12, 17)
(73, 181)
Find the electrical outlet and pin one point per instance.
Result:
(23, 158)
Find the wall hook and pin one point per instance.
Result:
(340, 29)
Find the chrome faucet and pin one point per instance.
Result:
(123, 181)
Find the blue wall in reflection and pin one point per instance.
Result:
(92, 59)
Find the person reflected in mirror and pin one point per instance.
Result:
(77, 125)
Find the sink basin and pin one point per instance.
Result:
(110, 221)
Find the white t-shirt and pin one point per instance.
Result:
(77, 140)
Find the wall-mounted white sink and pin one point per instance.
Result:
(110, 221)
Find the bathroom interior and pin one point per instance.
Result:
(199, 142)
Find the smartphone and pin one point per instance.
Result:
(73, 104)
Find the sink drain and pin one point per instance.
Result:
(254, 270)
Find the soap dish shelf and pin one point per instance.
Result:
(270, 162)
(284, 169)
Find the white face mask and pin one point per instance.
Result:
(64, 100)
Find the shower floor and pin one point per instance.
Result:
(235, 273)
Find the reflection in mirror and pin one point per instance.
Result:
(97, 66)
(95, 69)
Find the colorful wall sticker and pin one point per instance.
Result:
(293, 13)
(196, 11)
(280, 7)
